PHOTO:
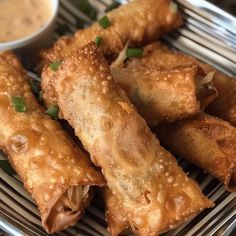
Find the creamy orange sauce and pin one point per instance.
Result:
(21, 18)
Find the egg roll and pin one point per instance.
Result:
(56, 173)
(165, 95)
(206, 141)
(139, 22)
(154, 192)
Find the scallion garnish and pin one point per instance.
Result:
(98, 40)
(53, 111)
(18, 104)
(5, 165)
(112, 6)
(54, 65)
(134, 52)
(104, 22)
(40, 96)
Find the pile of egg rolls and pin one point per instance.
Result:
(111, 109)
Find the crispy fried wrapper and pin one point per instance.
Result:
(164, 95)
(115, 216)
(53, 169)
(159, 55)
(225, 104)
(153, 191)
(207, 142)
(139, 22)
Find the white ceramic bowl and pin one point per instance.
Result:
(26, 47)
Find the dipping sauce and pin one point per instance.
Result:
(21, 18)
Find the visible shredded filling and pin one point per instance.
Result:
(204, 85)
(73, 197)
(66, 210)
(205, 80)
(119, 61)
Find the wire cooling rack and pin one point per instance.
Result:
(208, 34)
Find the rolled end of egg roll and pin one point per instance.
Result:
(224, 106)
(138, 22)
(53, 169)
(65, 207)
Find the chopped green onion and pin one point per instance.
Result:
(35, 86)
(173, 7)
(40, 96)
(18, 104)
(134, 52)
(54, 65)
(104, 22)
(98, 40)
(6, 167)
(53, 111)
(112, 6)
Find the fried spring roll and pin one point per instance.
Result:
(207, 142)
(139, 22)
(154, 192)
(165, 95)
(53, 169)
(225, 104)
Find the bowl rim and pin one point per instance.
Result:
(55, 8)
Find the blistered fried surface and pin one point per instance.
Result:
(139, 22)
(206, 141)
(43, 155)
(158, 54)
(12, 60)
(160, 95)
(47, 84)
(115, 216)
(224, 106)
(154, 192)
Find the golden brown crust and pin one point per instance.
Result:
(12, 60)
(206, 141)
(47, 85)
(160, 95)
(41, 152)
(115, 217)
(139, 22)
(154, 192)
(158, 54)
